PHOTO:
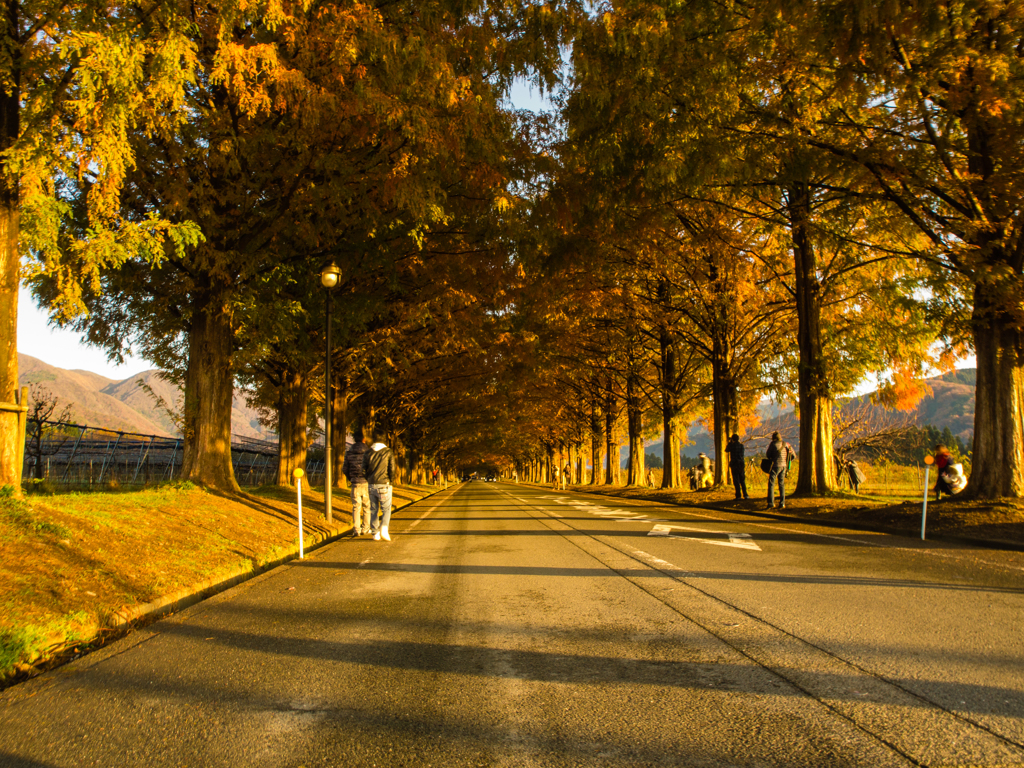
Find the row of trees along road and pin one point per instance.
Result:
(733, 200)
(842, 176)
(188, 170)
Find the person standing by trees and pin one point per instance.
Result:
(706, 478)
(856, 475)
(780, 454)
(737, 467)
(379, 467)
(353, 469)
(942, 461)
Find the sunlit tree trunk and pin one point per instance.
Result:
(672, 475)
(635, 419)
(998, 455)
(339, 431)
(596, 435)
(817, 470)
(725, 398)
(209, 386)
(611, 447)
(10, 122)
(292, 409)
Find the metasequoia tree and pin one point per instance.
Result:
(933, 118)
(294, 153)
(695, 98)
(726, 314)
(76, 80)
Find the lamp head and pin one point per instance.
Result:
(330, 275)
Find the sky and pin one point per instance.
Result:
(64, 349)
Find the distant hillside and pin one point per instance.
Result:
(124, 405)
(951, 404)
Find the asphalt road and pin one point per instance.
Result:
(512, 626)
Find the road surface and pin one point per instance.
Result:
(508, 625)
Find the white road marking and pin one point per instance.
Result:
(419, 519)
(649, 559)
(736, 540)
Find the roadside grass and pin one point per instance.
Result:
(75, 566)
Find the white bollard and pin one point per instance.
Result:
(298, 473)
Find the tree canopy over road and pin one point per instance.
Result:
(728, 201)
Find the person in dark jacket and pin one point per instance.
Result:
(779, 454)
(353, 470)
(737, 466)
(379, 466)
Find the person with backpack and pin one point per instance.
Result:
(781, 455)
(353, 470)
(379, 467)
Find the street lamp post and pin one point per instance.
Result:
(330, 275)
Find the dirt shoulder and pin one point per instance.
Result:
(998, 524)
(77, 569)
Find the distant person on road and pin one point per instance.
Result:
(556, 480)
(437, 474)
(737, 466)
(515, 476)
(352, 468)
(566, 475)
(780, 454)
(943, 460)
(379, 466)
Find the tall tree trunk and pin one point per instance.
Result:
(596, 434)
(339, 431)
(817, 470)
(10, 126)
(998, 456)
(292, 411)
(635, 422)
(672, 474)
(725, 405)
(209, 386)
(611, 447)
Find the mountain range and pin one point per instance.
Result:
(128, 405)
